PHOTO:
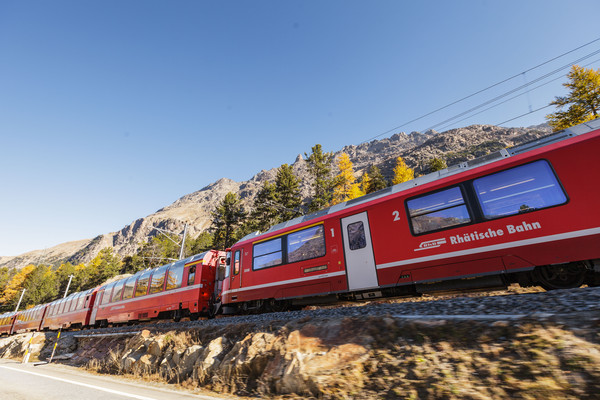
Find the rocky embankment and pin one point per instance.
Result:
(525, 346)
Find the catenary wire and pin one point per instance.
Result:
(482, 90)
(513, 90)
(514, 97)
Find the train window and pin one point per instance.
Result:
(73, 302)
(236, 262)
(228, 265)
(267, 254)
(128, 288)
(437, 211)
(191, 275)
(158, 279)
(142, 285)
(107, 292)
(306, 244)
(356, 236)
(175, 275)
(81, 301)
(117, 291)
(517, 190)
(63, 303)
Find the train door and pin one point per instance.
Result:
(95, 306)
(235, 273)
(358, 249)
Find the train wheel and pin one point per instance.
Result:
(278, 305)
(177, 314)
(563, 276)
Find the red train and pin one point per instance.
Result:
(185, 288)
(524, 215)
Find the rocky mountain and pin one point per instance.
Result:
(416, 149)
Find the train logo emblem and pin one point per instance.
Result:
(431, 244)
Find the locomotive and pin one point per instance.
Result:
(526, 214)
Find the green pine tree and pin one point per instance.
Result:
(376, 180)
(287, 188)
(437, 164)
(227, 219)
(319, 166)
(265, 212)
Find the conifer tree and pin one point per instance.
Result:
(346, 187)
(265, 212)
(437, 164)
(287, 187)
(319, 166)
(227, 218)
(583, 100)
(104, 266)
(402, 172)
(201, 243)
(376, 180)
(41, 286)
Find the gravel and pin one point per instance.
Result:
(566, 306)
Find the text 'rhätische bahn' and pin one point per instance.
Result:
(528, 215)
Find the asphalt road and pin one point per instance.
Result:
(58, 382)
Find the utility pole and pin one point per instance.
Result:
(60, 328)
(182, 244)
(20, 298)
(68, 284)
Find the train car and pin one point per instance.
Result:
(524, 215)
(73, 311)
(7, 322)
(30, 320)
(184, 288)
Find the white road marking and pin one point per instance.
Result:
(134, 396)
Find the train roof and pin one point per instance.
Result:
(434, 176)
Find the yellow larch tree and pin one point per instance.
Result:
(15, 284)
(402, 172)
(346, 188)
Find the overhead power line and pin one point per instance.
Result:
(514, 90)
(483, 90)
(514, 97)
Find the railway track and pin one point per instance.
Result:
(514, 303)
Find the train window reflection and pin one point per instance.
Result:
(106, 294)
(175, 275)
(237, 260)
(356, 236)
(116, 296)
(142, 285)
(191, 275)
(438, 210)
(267, 254)
(128, 289)
(306, 244)
(517, 190)
(158, 279)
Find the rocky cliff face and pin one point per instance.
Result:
(416, 149)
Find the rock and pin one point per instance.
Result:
(188, 359)
(209, 359)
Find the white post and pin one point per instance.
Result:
(20, 298)
(60, 327)
(68, 284)
(183, 242)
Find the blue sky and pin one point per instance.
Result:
(111, 110)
